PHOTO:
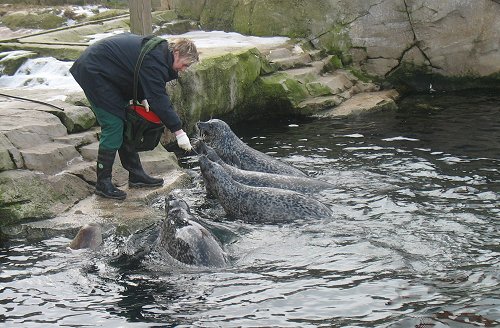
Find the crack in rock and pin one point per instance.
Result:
(415, 44)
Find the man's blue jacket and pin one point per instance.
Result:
(105, 71)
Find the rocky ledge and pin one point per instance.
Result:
(48, 147)
(47, 164)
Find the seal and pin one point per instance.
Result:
(89, 236)
(218, 135)
(176, 240)
(259, 204)
(188, 241)
(263, 179)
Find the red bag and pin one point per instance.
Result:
(150, 116)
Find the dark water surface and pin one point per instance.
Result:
(414, 241)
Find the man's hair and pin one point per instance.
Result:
(186, 49)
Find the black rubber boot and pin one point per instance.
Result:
(104, 187)
(132, 163)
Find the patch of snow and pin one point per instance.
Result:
(87, 11)
(96, 37)
(221, 39)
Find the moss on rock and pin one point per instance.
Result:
(337, 42)
(76, 118)
(317, 89)
(277, 94)
(218, 15)
(22, 195)
(42, 21)
(26, 195)
(292, 18)
(216, 86)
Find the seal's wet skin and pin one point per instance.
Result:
(218, 135)
(176, 241)
(188, 241)
(258, 204)
(89, 236)
(264, 179)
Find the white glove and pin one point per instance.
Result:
(145, 104)
(183, 141)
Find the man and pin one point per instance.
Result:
(105, 71)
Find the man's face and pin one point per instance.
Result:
(180, 63)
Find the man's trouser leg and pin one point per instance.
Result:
(109, 142)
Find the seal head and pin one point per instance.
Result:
(187, 240)
(218, 135)
(89, 236)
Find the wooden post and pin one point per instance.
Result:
(141, 21)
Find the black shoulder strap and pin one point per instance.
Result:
(153, 42)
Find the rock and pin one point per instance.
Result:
(75, 118)
(282, 89)
(293, 61)
(177, 27)
(80, 139)
(49, 158)
(159, 160)
(306, 74)
(83, 170)
(455, 40)
(26, 128)
(279, 53)
(10, 61)
(6, 161)
(89, 152)
(219, 85)
(59, 51)
(25, 195)
(336, 82)
(314, 105)
(318, 89)
(362, 103)
(77, 98)
(129, 215)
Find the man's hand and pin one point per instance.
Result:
(183, 140)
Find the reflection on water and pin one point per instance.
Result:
(414, 242)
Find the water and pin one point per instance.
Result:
(414, 241)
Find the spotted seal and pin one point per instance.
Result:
(187, 240)
(218, 135)
(259, 204)
(177, 240)
(263, 179)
